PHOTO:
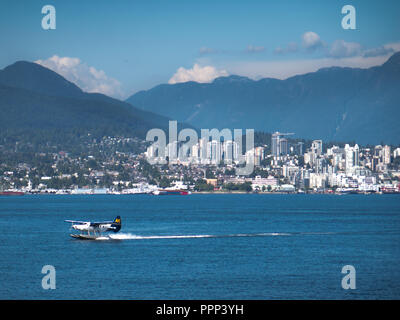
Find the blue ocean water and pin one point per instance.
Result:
(206, 246)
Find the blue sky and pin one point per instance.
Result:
(120, 47)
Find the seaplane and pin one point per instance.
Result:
(94, 230)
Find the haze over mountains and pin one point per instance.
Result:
(334, 104)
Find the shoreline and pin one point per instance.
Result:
(202, 192)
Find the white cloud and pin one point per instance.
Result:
(395, 46)
(197, 73)
(383, 50)
(311, 40)
(341, 49)
(88, 78)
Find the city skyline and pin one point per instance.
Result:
(319, 169)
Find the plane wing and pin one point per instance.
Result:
(93, 224)
(79, 222)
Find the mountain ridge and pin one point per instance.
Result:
(332, 103)
(38, 104)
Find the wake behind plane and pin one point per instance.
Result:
(94, 230)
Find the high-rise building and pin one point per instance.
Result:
(396, 153)
(236, 151)
(250, 156)
(214, 151)
(386, 154)
(300, 148)
(227, 151)
(356, 159)
(195, 152)
(258, 155)
(316, 147)
(230, 151)
(348, 156)
(378, 151)
(375, 161)
(275, 144)
(279, 145)
(203, 150)
(283, 147)
(172, 150)
(352, 157)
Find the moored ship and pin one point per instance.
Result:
(163, 192)
(11, 193)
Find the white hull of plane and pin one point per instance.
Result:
(85, 236)
(90, 237)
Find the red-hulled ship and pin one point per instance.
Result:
(164, 192)
(11, 193)
(391, 189)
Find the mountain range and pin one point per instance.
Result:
(333, 104)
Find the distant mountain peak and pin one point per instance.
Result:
(34, 77)
(21, 64)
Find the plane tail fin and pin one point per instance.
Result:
(116, 224)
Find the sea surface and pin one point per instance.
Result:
(243, 246)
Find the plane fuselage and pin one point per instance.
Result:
(89, 227)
